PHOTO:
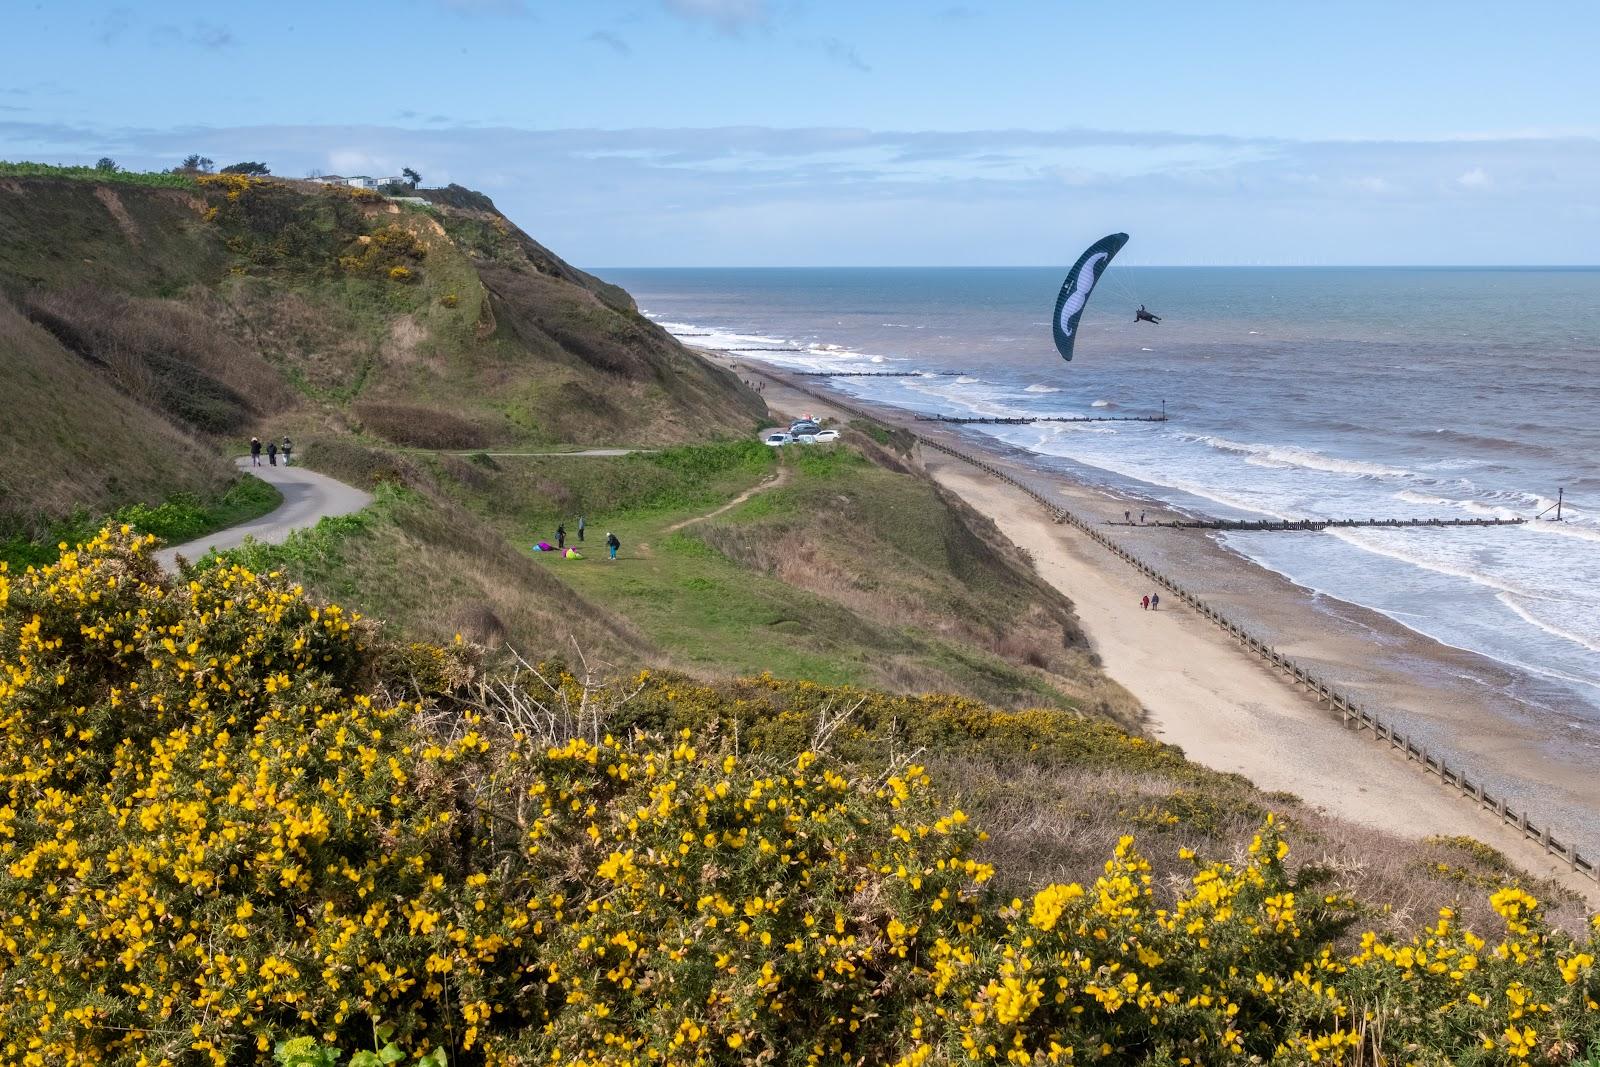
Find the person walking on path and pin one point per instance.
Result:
(561, 535)
(1145, 602)
(581, 525)
(612, 544)
(1127, 517)
(1155, 601)
(255, 451)
(288, 450)
(272, 453)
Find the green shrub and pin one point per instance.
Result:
(95, 174)
(235, 822)
(183, 517)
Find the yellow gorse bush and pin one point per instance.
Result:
(216, 833)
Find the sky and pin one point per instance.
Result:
(871, 132)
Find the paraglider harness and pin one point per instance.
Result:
(1144, 316)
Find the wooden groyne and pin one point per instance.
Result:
(1296, 525)
(1023, 420)
(876, 373)
(1353, 715)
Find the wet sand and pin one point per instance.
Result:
(1228, 711)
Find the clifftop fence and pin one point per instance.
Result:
(1353, 715)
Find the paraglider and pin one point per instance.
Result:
(1075, 291)
(1144, 316)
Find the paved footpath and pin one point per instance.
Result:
(307, 497)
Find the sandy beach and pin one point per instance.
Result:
(1204, 694)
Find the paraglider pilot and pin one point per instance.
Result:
(1144, 316)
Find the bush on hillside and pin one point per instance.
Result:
(392, 252)
(420, 427)
(24, 169)
(458, 196)
(171, 355)
(222, 829)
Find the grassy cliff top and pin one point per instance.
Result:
(215, 307)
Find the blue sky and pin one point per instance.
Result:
(771, 132)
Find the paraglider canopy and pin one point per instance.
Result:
(1075, 291)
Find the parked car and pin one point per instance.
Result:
(777, 439)
(817, 437)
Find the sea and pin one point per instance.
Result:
(1290, 392)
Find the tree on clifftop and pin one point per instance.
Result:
(106, 165)
(258, 169)
(196, 162)
(411, 176)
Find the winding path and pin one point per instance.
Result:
(307, 498)
(760, 487)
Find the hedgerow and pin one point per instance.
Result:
(162, 179)
(236, 820)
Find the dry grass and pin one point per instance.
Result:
(433, 569)
(71, 440)
(885, 543)
(322, 343)
(170, 355)
(420, 427)
(1054, 822)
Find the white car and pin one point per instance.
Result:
(817, 437)
(777, 439)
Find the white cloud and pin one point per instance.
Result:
(612, 41)
(730, 16)
(354, 161)
(854, 195)
(1476, 178)
(844, 54)
(486, 7)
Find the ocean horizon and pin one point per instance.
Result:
(1293, 392)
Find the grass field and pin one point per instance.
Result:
(837, 567)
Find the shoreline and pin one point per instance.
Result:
(1225, 709)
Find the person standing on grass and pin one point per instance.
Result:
(288, 450)
(272, 453)
(255, 451)
(612, 544)
(561, 535)
(581, 525)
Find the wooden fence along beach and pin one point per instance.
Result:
(1352, 714)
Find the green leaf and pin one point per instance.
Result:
(304, 1052)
